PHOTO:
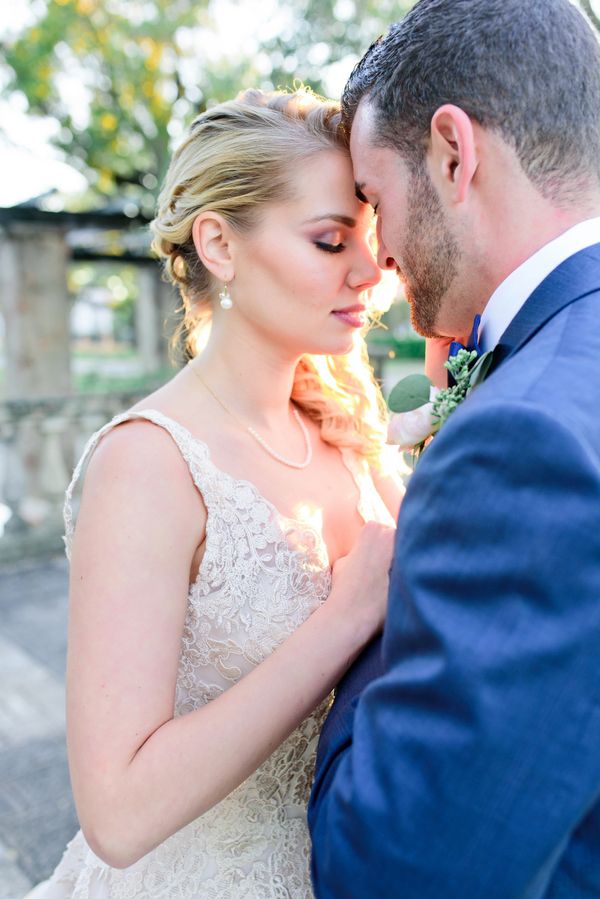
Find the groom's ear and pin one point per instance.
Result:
(453, 153)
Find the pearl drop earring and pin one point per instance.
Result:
(225, 300)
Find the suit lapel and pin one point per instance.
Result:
(574, 279)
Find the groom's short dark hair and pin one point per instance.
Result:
(529, 69)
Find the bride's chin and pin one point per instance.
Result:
(336, 346)
(339, 347)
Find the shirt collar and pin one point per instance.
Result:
(511, 294)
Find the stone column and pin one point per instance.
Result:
(147, 320)
(35, 304)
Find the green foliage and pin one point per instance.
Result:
(142, 73)
(117, 280)
(322, 33)
(409, 347)
(410, 393)
(94, 382)
(130, 61)
(450, 398)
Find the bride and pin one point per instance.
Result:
(206, 628)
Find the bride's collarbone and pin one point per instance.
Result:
(323, 495)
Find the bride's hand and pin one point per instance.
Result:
(361, 579)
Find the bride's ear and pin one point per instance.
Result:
(453, 153)
(212, 238)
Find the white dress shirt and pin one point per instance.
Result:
(509, 296)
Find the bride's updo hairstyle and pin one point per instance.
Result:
(236, 160)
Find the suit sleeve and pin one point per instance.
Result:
(463, 768)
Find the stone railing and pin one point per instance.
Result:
(40, 443)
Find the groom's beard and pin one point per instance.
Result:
(429, 262)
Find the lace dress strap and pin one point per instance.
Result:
(190, 447)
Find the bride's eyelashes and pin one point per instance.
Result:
(330, 247)
(331, 241)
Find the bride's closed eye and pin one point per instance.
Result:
(330, 247)
(334, 245)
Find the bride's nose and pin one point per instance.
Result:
(365, 272)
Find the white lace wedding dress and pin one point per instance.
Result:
(261, 576)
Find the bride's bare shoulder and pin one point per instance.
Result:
(138, 460)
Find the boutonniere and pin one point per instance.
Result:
(420, 409)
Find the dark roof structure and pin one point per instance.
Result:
(110, 233)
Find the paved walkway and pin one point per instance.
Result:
(37, 817)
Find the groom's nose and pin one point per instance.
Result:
(384, 259)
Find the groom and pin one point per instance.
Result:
(464, 762)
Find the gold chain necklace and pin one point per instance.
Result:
(260, 440)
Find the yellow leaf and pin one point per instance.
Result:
(105, 181)
(127, 96)
(108, 121)
(85, 7)
(154, 58)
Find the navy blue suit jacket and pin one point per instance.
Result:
(461, 759)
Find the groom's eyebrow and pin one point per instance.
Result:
(336, 217)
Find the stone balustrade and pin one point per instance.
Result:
(40, 443)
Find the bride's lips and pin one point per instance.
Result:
(352, 315)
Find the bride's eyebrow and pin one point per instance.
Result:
(359, 193)
(335, 217)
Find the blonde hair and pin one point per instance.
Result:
(236, 160)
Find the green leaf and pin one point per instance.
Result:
(410, 393)
(480, 369)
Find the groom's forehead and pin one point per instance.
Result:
(373, 164)
(361, 142)
(363, 125)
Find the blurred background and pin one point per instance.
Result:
(94, 96)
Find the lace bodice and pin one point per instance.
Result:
(261, 576)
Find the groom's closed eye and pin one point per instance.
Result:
(363, 199)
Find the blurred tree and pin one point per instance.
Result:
(324, 34)
(115, 75)
(121, 76)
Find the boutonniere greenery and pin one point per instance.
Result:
(420, 409)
